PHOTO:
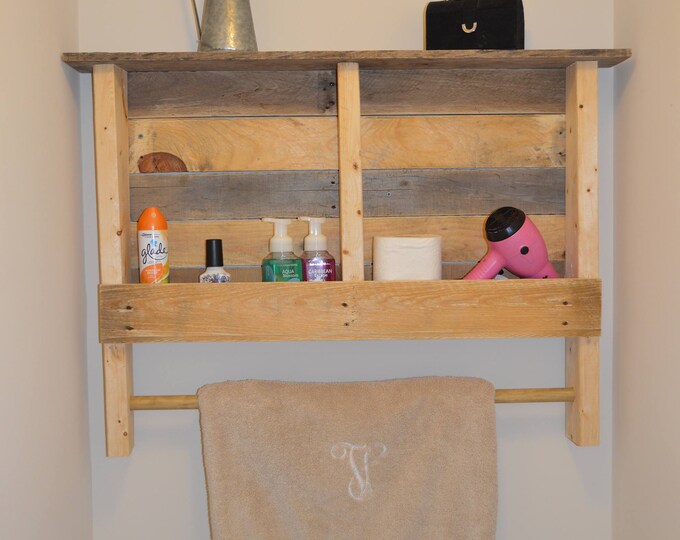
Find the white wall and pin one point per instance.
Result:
(548, 487)
(647, 221)
(44, 454)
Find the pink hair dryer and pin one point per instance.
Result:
(514, 243)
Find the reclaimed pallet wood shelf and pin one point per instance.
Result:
(378, 142)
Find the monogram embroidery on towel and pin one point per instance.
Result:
(359, 458)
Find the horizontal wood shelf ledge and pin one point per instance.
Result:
(349, 310)
(319, 60)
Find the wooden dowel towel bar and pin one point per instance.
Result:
(520, 395)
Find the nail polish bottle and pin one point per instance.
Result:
(214, 262)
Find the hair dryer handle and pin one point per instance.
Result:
(487, 268)
(547, 271)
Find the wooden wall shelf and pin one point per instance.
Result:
(319, 60)
(380, 143)
(350, 310)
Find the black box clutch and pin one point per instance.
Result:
(474, 24)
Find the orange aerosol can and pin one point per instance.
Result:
(152, 247)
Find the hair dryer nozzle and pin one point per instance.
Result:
(503, 223)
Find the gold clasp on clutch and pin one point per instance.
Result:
(469, 30)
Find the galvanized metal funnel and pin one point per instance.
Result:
(227, 25)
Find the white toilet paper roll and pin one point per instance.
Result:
(407, 258)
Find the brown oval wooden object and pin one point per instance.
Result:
(160, 162)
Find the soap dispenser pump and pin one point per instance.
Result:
(281, 264)
(317, 263)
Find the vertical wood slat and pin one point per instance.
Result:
(350, 179)
(582, 354)
(113, 210)
(582, 357)
(119, 419)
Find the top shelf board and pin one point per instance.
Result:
(320, 60)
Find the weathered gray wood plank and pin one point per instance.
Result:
(460, 91)
(320, 60)
(386, 193)
(229, 93)
(276, 93)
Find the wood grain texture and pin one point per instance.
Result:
(253, 274)
(324, 60)
(583, 372)
(421, 192)
(350, 190)
(462, 91)
(350, 310)
(246, 241)
(239, 144)
(302, 143)
(297, 93)
(111, 142)
(582, 249)
(582, 171)
(502, 395)
(160, 162)
(398, 192)
(534, 395)
(113, 202)
(228, 93)
(118, 417)
(462, 141)
(236, 195)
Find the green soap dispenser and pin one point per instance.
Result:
(281, 264)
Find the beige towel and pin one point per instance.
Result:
(401, 459)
